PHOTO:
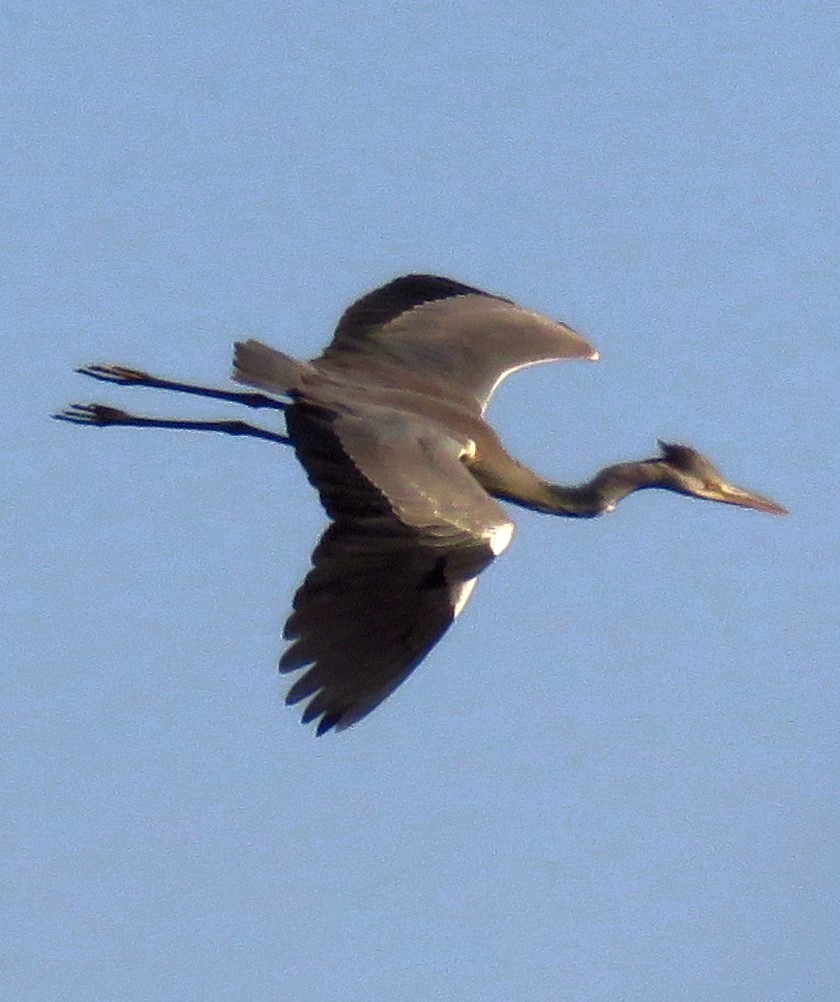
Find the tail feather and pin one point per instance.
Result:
(255, 364)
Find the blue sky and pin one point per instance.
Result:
(617, 775)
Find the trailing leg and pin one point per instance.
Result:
(101, 416)
(123, 376)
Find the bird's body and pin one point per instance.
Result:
(388, 424)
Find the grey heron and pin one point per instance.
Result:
(388, 423)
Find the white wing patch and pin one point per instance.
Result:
(499, 537)
(469, 450)
(463, 596)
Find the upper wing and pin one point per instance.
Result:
(464, 340)
(411, 531)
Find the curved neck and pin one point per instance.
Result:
(509, 480)
(606, 489)
(595, 497)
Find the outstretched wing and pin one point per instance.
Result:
(437, 330)
(411, 531)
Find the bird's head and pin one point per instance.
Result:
(685, 470)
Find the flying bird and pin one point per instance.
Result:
(388, 423)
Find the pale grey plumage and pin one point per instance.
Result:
(388, 423)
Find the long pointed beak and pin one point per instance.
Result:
(729, 494)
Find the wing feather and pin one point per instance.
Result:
(457, 341)
(411, 529)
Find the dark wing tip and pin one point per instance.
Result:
(327, 723)
(424, 288)
(380, 306)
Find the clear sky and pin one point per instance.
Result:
(616, 778)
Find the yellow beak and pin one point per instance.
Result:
(729, 494)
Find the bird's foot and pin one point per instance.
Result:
(95, 414)
(115, 374)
